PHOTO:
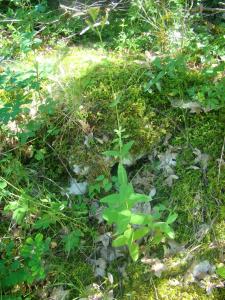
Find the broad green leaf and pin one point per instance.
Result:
(134, 251)
(110, 215)
(3, 185)
(125, 213)
(171, 218)
(221, 272)
(122, 175)
(125, 191)
(111, 199)
(140, 219)
(140, 233)
(135, 198)
(128, 234)
(120, 241)
(122, 223)
(164, 227)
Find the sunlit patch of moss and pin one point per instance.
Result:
(88, 81)
(219, 230)
(144, 285)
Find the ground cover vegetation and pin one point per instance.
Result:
(112, 149)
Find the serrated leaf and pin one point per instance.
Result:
(44, 222)
(72, 240)
(113, 153)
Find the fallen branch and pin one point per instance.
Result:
(202, 9)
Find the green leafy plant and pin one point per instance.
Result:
(131, 226)
(72, 240)
(97, 21)
(24, 264)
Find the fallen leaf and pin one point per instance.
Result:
(203, 268)
(169, 180)
(58, 293)
(152, 192)
(77, 188)
(201, 158)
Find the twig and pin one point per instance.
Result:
(208, 9)
(155, 290)
(10, 20)
(221, 160)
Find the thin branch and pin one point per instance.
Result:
(221, 160)
(208, 9)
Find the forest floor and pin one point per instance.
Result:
(53, 173)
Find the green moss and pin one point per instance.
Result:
(142, 285)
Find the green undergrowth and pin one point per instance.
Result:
(92, 91)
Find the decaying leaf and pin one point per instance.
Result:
(194, 107)
(100, 267)
(201, 158)
(110, 277)
(105, 239)
(174, 282)
(203, 268)
(167, 161)
(79, 170)
(174, 248)
(58, 293)
(152, 192)
(142, 182)
(156, 265)
(169, 180)
(96, 211)
(77, 188)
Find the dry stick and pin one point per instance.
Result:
(155, 289)
(221, 160)
(208, 9)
